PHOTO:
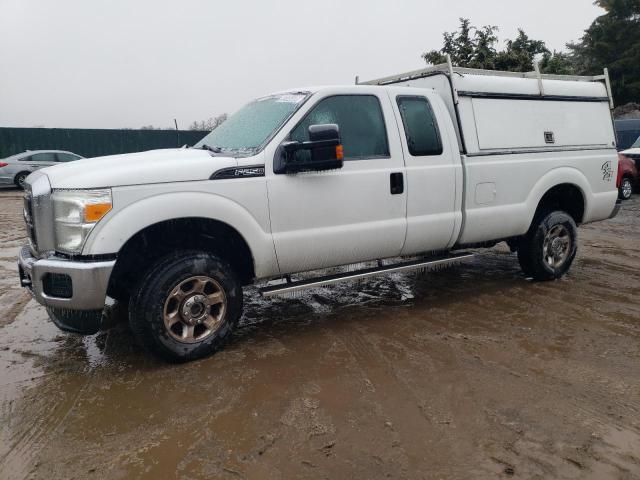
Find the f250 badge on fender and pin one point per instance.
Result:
(239, 172)
(606, 171)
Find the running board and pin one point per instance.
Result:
(422, 264)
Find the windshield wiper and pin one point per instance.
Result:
(211, 149)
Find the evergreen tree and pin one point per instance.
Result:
(476, 48)
(520, 53)
(613, 41)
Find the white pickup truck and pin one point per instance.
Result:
(403, 172)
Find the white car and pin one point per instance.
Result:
(633, 151)
(405, 172)
(16, 168)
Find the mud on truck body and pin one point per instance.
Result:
(404, 172)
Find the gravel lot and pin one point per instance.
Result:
(472, 372)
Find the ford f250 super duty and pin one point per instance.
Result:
(395, 174)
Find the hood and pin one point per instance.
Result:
(154, 166)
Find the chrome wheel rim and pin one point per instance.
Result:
(21, 180)
(195, 309)
(626, 188)
(556, 246)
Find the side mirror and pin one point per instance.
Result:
(323, 151)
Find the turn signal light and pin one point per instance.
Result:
(3, 164)
(339, 152)
(95, 211)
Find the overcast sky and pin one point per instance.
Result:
(128, 63)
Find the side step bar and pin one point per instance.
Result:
(421, 264)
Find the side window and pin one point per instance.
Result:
(362, 130)
(43, 157)
(66, 157)
(420, 126)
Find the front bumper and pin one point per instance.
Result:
(85, 282)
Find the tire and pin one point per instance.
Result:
(626, 189)
(84, 322)
(549, 248)
(20, 178)
(185, 306)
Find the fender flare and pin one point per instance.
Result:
(553, 178)
(113, 231)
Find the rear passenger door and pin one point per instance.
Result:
(335, 217)
(432, 165)
(41, 160)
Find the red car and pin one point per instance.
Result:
(628, 177)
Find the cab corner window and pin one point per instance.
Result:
(420, 126)
(359, 117)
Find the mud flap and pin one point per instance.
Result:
(84, 322)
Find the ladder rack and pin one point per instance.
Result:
(449, 69)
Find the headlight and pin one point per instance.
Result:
(76, 212)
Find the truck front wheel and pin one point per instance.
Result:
(185, 306)
(547, 251)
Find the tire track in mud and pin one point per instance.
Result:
(36, 433)
(583, 402)
(42, 428)
(488, 310)
(407, 408)
(16, 307)
(597, 396)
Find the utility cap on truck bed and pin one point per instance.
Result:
(498, 112)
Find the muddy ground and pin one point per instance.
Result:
(472, 372)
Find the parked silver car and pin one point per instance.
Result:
(14, 169)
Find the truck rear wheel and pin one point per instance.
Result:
(186, 305)
(548, 249)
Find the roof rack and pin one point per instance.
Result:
(449, 69)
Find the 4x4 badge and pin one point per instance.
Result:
(606, 171)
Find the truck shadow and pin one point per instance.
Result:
(461, 293)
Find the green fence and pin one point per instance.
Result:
(92, 142)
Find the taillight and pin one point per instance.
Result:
(3, 164)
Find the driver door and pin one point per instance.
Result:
(353, 214)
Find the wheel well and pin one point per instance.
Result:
(566, 197)
(15, 178)
(159, 239)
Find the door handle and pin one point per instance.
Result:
(396, 183)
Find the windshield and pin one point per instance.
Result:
(636, 144)
(252, 126)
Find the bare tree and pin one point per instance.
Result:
(209, 124)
